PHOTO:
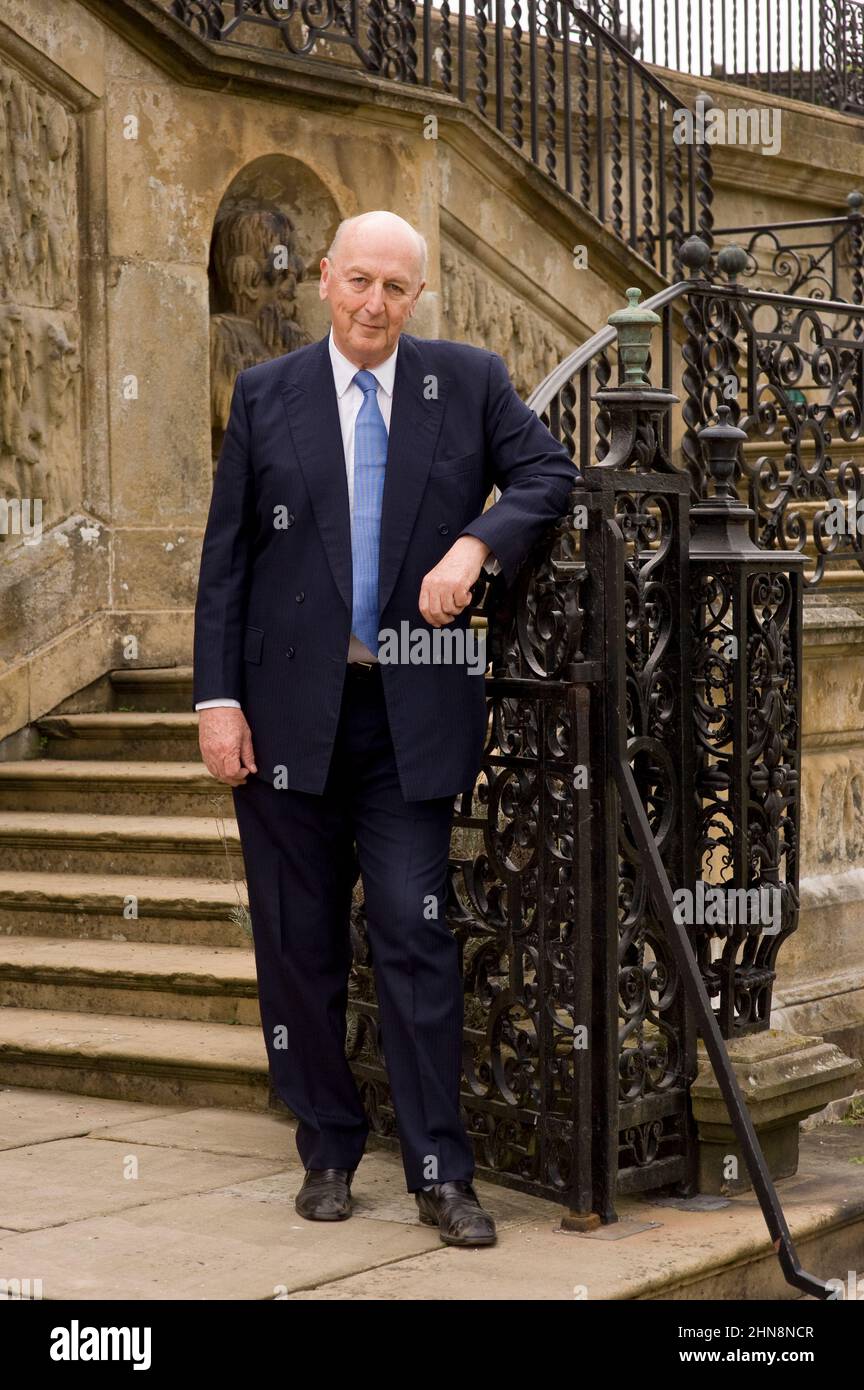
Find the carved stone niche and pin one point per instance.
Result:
(274, 224)
(40, 450)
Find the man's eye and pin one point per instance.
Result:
(358, 279)
(397, 289)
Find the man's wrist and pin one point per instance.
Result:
(478, 548)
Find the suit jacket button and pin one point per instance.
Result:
(290, 519)
(300, 597)
(290, 652)
(443, 530)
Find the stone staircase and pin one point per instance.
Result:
(124, 968)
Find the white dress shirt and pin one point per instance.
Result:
(350, 398)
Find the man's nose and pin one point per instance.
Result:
(375, 298)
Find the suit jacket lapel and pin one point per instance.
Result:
(312, 413)
(415, 422)
(313, 419)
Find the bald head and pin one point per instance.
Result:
(372, 277)
(379, 230)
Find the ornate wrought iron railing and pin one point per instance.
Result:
(790, 367)
(789, 372)
(812, 50)
(555, 83)
(820, 257)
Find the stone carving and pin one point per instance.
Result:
(39, 365)
(38, 235)
(39, 330)
(255, 270)
(482, 311)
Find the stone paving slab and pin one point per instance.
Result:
(380, 1195)
(68, 1179)
(29, 1116)
(681, 1255)
(378, 1188)
(213, 1129)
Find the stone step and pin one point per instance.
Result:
(149, 1059)
(138, 979)
(121, 735)
(121, 907)
(168, 846)
(133, 788)
(158, 689)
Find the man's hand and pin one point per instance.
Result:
(446, 589)
(225, 740)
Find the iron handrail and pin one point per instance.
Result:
(624, 53)
(842, 220)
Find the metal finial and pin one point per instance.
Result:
(634, 325)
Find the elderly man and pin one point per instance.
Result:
(347, 512)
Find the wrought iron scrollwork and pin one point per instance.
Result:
(204, 17)
(746, 605)
(654, 1045)
(298, 24)
(393, 39)
(792, 374)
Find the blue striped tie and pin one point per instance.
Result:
(370, 461)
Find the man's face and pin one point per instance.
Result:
(372, 285)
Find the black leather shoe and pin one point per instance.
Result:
(455, 1209)
(325, 1194)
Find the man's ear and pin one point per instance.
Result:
(417, 298)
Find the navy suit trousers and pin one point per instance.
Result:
(299, 852)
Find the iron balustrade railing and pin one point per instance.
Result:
(791, 371)
(554, 82)
(818, 257)
(811, 50)
(790, 367)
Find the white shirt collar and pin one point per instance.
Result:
(345, 371)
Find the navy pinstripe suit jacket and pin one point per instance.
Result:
(273, 613)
